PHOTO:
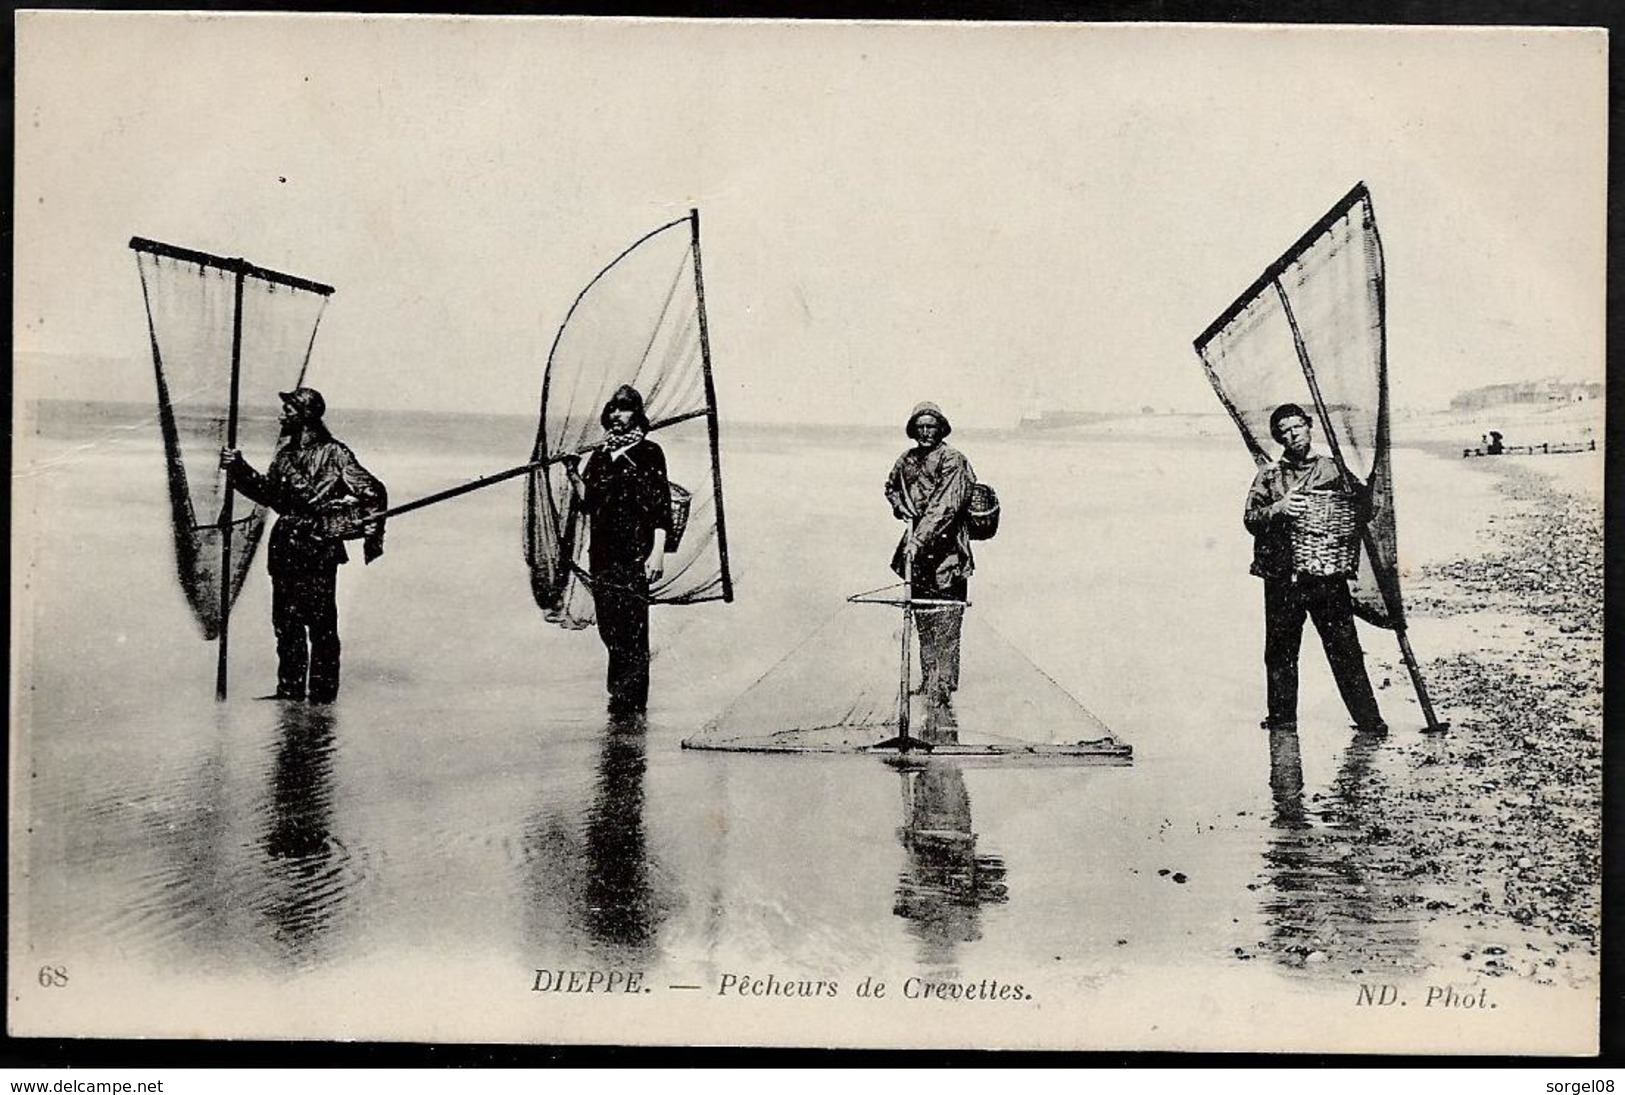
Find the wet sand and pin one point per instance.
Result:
(401, 864)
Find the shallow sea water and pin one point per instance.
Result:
(467, 805)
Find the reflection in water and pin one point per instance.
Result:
(619, 907)
(307, 877)
(1340, 896)
(1286, 780)
(945, 883)
(941, 724)
(602, 873)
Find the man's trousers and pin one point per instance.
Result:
(622, 609)
(939, 629)
(1326, 602)
(305, 617)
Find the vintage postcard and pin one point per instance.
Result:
(582, 531)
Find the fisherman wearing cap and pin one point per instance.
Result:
(624, 491)
(320, 492)
(1276, 501)
(928, 487)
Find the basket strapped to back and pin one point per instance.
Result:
(681, 500)
(982, 512)
(1326, 539)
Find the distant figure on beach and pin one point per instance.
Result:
(928, 487)
(1274, 503)
(624, 491)
(1495, 448)
(320, 492)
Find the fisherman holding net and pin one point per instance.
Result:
(1278, 507)
(928, 487)
(320, 493)
(624, 491)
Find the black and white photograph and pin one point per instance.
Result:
(585, 531)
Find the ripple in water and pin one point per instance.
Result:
(236, 858)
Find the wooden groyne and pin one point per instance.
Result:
(1543, 449)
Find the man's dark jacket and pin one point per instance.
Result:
(314, 484)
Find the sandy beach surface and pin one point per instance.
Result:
(464, 824)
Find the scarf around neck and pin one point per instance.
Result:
(617, 440)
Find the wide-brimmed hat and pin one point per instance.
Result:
(307, 401)
(628, 397)
(935, 412)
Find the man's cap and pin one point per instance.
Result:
(923, 409)
(306, 400)
(1284, 412)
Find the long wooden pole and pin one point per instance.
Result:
(904, 742)
(1314, 386)
(711, 407)
(501, 476)
(903, 677)
(226, 505)
(1434, 726)
(709, 412)
(457, 491)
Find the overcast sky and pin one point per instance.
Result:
(995, 217)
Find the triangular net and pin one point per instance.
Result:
(639, 322)
(1332, 284)
(839, 690)
(192, 320)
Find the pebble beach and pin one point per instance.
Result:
(1484, 839)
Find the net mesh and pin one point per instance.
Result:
(840, 689)
(1331, 287)
(191, 312)
(637, 323)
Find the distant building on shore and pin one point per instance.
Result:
(1537, 392)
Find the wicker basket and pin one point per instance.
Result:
(1326, 539)
(982, 512)
(680, 502)
(340, 520)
